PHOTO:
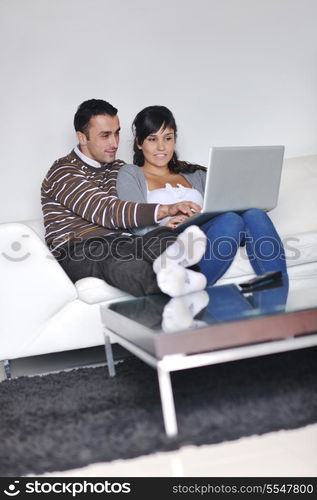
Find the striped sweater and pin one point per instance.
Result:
(80, 201)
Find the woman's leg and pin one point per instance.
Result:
(224, 234)
(263, 244)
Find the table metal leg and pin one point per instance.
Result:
(167, 401)
(109, 356)
(7, 368)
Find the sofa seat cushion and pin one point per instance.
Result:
(299, 249)
(94, 290)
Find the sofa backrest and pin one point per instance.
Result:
(297, 206)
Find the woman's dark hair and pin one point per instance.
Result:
(90, 108)
(149, 121)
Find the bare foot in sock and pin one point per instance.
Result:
(176, 280)
(179, 312)
(187, 250)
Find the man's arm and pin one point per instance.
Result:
(183, 207)
(68, 185)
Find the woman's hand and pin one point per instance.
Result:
(175, 221)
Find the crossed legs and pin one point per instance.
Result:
(154, 263)
(226, 232)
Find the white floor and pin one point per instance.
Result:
(278, 454)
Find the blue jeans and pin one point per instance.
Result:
(226, 232)
(227, 303)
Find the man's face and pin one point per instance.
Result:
(102, 139)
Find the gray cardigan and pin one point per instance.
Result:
(131, 186)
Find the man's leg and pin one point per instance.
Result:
(165, 247)
(126, 262)
(173, 260)
(113, 259)
(156, 262)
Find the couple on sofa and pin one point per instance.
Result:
(118, 222)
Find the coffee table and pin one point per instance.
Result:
(231, 326)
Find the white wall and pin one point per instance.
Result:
(234, 72)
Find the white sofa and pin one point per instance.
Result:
(42, 311)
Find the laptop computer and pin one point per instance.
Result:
(239, 178)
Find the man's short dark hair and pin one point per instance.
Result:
(90, 108)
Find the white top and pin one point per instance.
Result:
(170, 194)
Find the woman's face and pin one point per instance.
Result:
(158, 148)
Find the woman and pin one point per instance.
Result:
(157, 176)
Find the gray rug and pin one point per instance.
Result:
(71, 419)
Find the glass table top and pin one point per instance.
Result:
(216, 304)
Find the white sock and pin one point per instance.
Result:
(187, 250)
(180, 311)
(176, 280)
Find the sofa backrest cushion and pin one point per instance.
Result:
(297, 205)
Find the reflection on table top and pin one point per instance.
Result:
(215, 318)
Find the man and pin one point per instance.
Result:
(87, 226)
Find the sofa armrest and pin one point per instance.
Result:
(33, 286)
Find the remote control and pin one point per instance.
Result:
(262, 280)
